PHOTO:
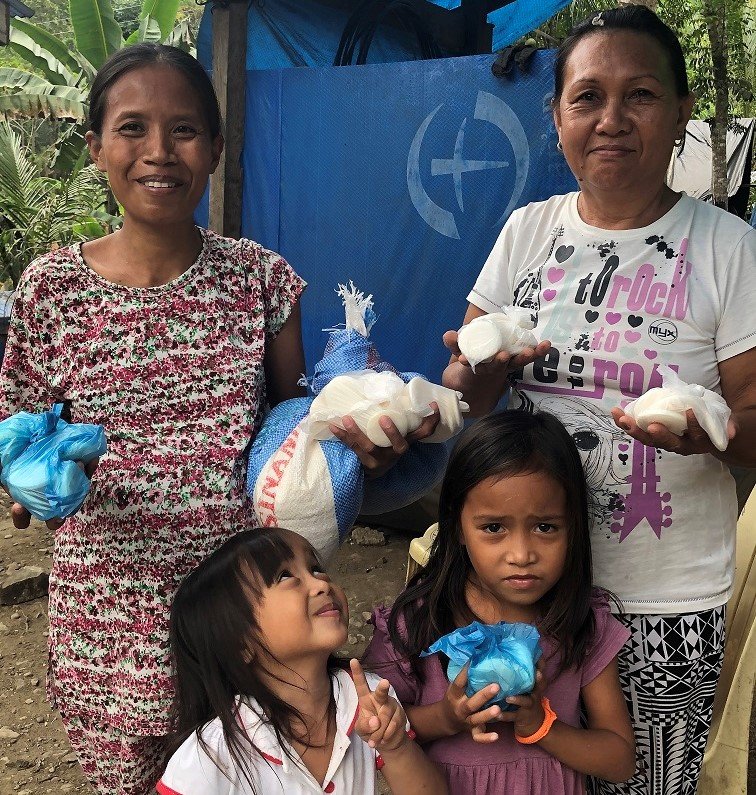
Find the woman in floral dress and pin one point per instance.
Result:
(173, 338)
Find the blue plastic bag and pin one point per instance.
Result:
(41, 455)
(503, 654)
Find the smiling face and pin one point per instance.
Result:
(516, 533)
(302, 612)
(619, 113)
(155, 145)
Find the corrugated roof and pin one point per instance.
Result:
(17, 9)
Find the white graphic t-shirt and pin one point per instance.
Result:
(615, 305)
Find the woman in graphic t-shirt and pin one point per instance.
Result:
(623, 276)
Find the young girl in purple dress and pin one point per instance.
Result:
(513, 546)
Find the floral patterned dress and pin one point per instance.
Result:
(175, 375)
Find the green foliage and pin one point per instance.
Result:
(686, 19)
(41, 212)
(64, 73)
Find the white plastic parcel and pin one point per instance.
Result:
(669, 403)
(366, 396)
(483, 337)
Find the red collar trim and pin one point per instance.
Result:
(270, 759)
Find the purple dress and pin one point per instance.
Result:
(505, 766)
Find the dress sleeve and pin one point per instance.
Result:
(281, 286)
(191, 771)
(25, 383)
(608, 638)
(382, 659)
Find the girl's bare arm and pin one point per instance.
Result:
(408, 771)
(606, 749)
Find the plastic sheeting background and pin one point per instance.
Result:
(516, 19)
(690, 170)
(283, 33)
(399, 177)
(306, 32)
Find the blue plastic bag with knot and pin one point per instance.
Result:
(503, 654)
(41, 457)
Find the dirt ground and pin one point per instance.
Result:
(39, 759)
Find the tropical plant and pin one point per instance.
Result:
(40, 213)
(59, 83)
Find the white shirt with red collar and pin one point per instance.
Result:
(352, 769)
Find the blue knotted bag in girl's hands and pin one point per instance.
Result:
(502, 654)
(41, 457)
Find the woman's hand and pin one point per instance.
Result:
(483, 388)
(21, 517)
(463, 713)
(694, 441)
(381, 722)
(378, 460)
(529, 716)
(503, 363)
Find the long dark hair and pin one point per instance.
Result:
(631, 18)
(213, 626)
(501, 445)
(148, 54)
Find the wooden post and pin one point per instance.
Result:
(229, 79)
(4, 23)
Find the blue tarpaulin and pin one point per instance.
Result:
(514, 20)
(285, 33)
(399, 177)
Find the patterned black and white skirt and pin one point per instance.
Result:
(668, 671)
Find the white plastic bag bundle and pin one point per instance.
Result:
(669, 403)
(303, 478)
(366, 396)
(483, 337)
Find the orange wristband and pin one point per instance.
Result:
(548, 718)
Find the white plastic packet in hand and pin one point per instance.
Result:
(669, 403)
(366, 396)
(483, 337)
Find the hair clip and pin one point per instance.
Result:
(597, 21)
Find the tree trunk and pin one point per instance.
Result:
(715, 15)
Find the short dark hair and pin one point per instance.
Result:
(502, 445)
(147, 54)
(632, 18)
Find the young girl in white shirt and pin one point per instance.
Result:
(262, 704)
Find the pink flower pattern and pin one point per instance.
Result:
(175, 375)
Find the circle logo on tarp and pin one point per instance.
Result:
(663, 331)
(494, 110)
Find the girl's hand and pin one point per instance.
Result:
(21, 517)
(529, 716)
(503, 363)
(381, 722)
(694, 441)
(465, 713)
(378, 460)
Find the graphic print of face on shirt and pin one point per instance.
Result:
(611, 320)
